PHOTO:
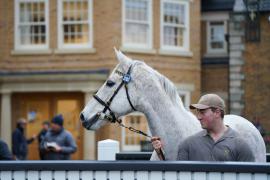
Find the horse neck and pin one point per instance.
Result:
(171, 122)
(167, 118)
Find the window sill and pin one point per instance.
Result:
(174, 52)
(75, 51)
(217, 54)
(138, 50)
(31, 52)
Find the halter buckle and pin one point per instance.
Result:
(109, 117)
(126, 78)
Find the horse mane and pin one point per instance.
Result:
(167, 85)
(170, 89)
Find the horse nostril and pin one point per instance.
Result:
(82, 117)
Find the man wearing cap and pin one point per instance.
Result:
(216, 142)
(58, 143)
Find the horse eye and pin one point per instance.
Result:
(110, 83)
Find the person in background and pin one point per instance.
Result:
(41, 136)
(5, 154)
(58, 143)
(216, 142)
(19, 141)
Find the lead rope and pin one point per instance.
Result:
(159, 151)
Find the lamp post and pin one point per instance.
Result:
(252, 8)
(252, 20)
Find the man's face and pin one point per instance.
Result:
(45, 126)
(206, 117)
(23, 125)
(55, 127)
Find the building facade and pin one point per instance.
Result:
(235, 60)
(55, 54)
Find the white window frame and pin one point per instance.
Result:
(18, 45)
(185, 90)
(131, 46)
(126, 147)
(60, 39)
(210, 50)
(186, 95)
(186, 37)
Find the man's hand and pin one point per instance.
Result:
(57, 148)
(34, 136)
(53, 146)
(156, 143)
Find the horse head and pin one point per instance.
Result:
(116, 97)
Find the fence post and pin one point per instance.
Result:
(107, 149)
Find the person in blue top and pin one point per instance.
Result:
(58, 143)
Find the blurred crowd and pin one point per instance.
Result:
(54, 141)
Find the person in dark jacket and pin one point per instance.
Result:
(5, 154)
(19, 141)
(41, 136)
(58, 143)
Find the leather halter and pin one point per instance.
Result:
(125, 80)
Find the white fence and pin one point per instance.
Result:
(132, 170)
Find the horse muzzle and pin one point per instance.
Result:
(89, 123)
(98, 116)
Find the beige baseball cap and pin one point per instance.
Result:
(209, 100)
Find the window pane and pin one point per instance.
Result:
(137, 24)
(75, 22)
(65, 11)
(174, 24)
(136, 10)
(136, 33)
(217, 35)
(173, 36)
(75, 10)
(41, 12)
(25, 38)
(174, 13)
(76, 33)
(32, 24)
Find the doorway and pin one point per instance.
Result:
(40, 107)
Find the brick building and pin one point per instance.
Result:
(55, 54)
(235, 55)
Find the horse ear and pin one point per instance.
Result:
(121, 57)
